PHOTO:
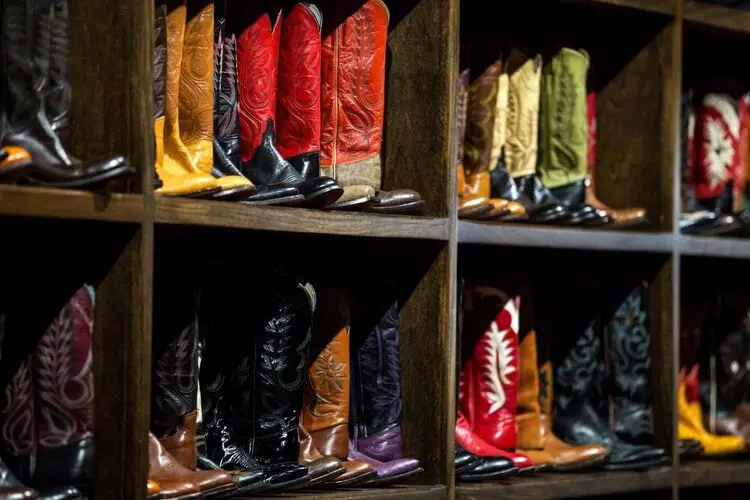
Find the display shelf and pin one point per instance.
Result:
(518, 235)
(297, 220)
(69, 204)
(552, 486)
(715, 472)
(395, 492)
(658, 6)
(706, 246)
(726, 19)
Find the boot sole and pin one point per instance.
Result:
(282, 202)
(486, 477)
(235, 194)
(322, 197)
(634, 465)
(318, 481)
(390, 479)
(404, 209)
(219, 492)
(351, 205)
(354, 480)
(253, 488)
(288, 484)
(87, 182)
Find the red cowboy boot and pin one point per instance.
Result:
(493, 371)
(298, 93)
(353, 109)
(479, 447)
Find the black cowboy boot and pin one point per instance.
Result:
(630, 363)
(174, 392)
(377, 402)
(226, 132)
(31, 36)
(579, 399)
(252, 376)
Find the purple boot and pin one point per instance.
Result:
(378, 403)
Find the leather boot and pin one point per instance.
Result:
(252, 385)
(469, 440)
(257, 63)
(484, 127)
(322, 469)
(696, 219)
(226, 142)
(378, 402)
(325, 402)
(725, 366)
(64, 400)
(622, 217)
(535, 438)
(175, 166)
(470, 206)
(353, 109)
(196, 93)
(515, 170)
(26, 62)
(580, 402)
(12, 489)
(175, 481)
(14, 162)
(175, 384)
(689, 411)
(490, 375)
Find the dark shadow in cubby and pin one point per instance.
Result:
(46, 261)
(631, 56)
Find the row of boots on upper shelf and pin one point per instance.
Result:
(258, 105)
(713, 393)
(715, 160)
(302, 390)
(527, 144)
(533, 400)
(252, 104)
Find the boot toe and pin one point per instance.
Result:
(179, 489)
(580, 455)
(398, 467)
(624, 453)
(355, 470)
(18, 493)
(245, 479)
(63, 493)
(325, 467)
(521, 461)
(463, 460)
(493, 467)
(286, 473)
(212, 481)
(152, 488)
(272, 192)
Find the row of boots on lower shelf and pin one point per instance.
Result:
(510, 420)
(526, 144)
(282, 396)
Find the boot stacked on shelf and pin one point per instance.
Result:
(35, 89)
(713, 381)
(288, 399)
(529, 144)
(507, 409)
(295, 113)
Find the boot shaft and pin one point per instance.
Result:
(480, 120)
(298, 112)
(353, 95)
(226, 109)
(563, 140)
(524, 85)
(528, 411)
(579, 372)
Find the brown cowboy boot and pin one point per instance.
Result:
(325, 404)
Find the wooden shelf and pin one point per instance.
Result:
(297, 220)
(657, 6)
(395, 492)
(716, 16)
(707, 246)
(714, 472)
(551, 486)
(69, 204)
(518, 235)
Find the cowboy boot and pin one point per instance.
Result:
(483, 137)
(689, 412)
(175, 481)
(378, 401)
(258, 42)
(470, 467)
(622, 217)
(562, 145)
(252, 385)
(14, 163)
(470, 206)
(579, 399)
(196, 93)
(175, 384)
(353, 108)
(726, 362)
(226, 141)
(325, 402)
(535, 437)
(696, 219)
(175, 166)
(26, 29)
